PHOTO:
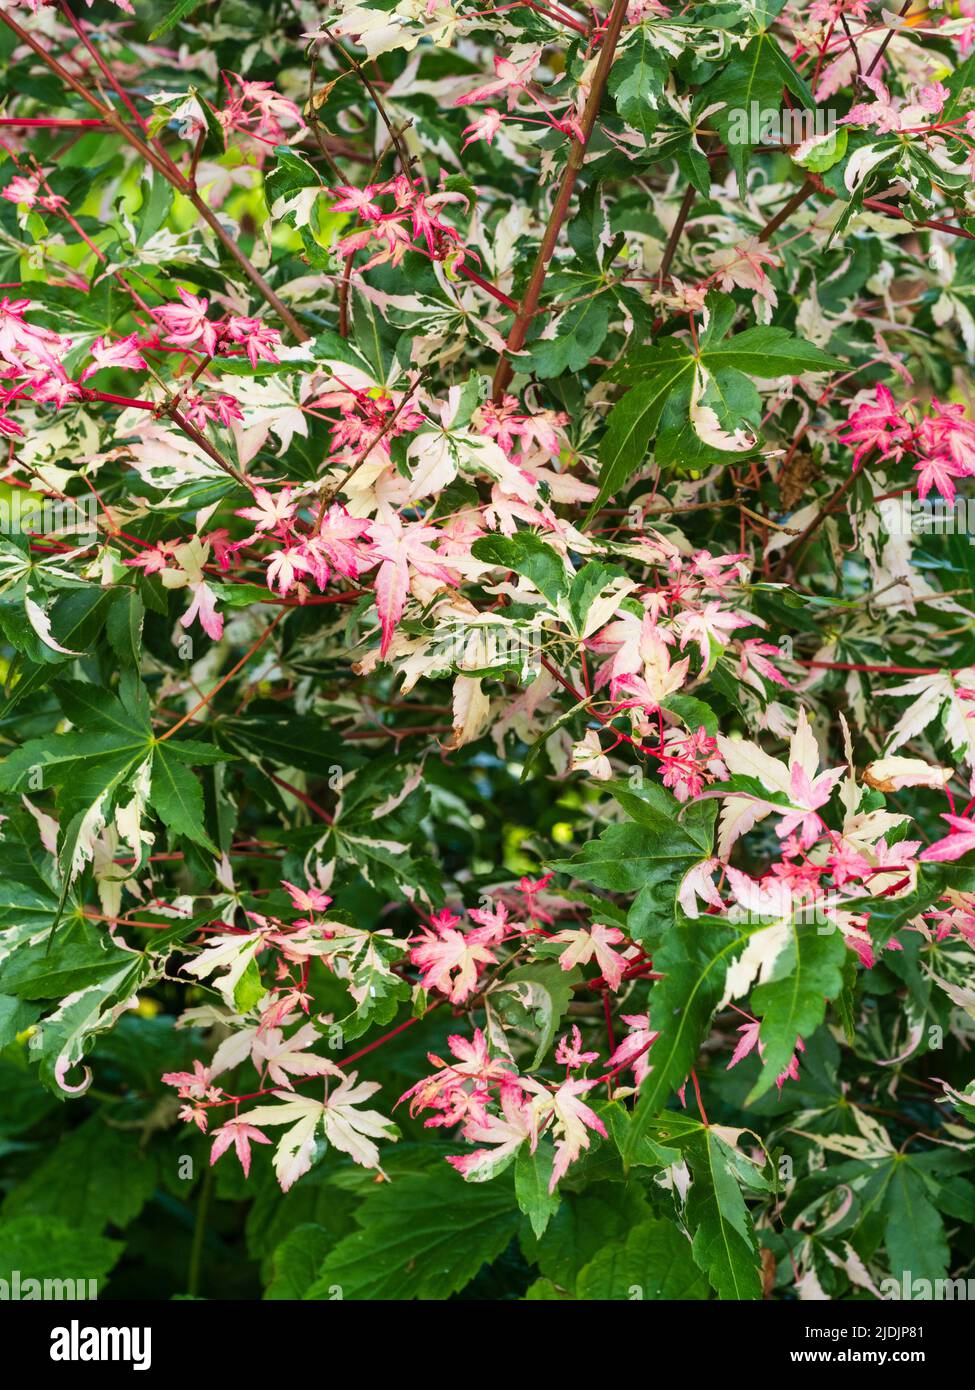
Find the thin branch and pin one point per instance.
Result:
(100, 62)
(887, 38)
(161, 162)
(683, 213)
(560, 209)
(787, 209)
(201, 704)
(332, 491)
(395, 135)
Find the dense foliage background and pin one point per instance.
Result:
(486, 720)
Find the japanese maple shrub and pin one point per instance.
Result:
(487, 605)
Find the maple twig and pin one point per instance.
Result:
(334, 489)
(876, 670)
(683, 212)
(560, 209)
(100, 62)
(887, 38)
(201, 704)
(161, 162)
(787, 209)
(52, 122)
(200, 439)
(396, 136)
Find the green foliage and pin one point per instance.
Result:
(419, 752)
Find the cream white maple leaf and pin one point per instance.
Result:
(928, 696)
(340, 1123)
(698, 882)
(232, 954)
(281, 1055)
(588, 756)
(471, 711)
(891, 774)
(353, 1130)
(799, 780)
(296, 1148)
(436, 454)
(572, 1119)
(595, 941)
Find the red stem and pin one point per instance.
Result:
(49, 122)
(879, 670)
(700, 1103)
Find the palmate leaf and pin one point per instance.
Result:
(655, 1262)
(731, 399)
(387, 864)
(900, 1193)
(37, 1247)
(297, 1260)
(112, 1177)
(914, 1235)
(63, 1038)
(661, 378)
(93, 766)
(647, 856)
(724, 1243)
(899, 1200)
(365, 960)
(578, 334)
(792, 1002)
(751, 82)
(286, 740)
(693, 960)
(82, 956)
(176, 795)
(889, 915)
(424, 1236)
(585, 1223)
(632, 423)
